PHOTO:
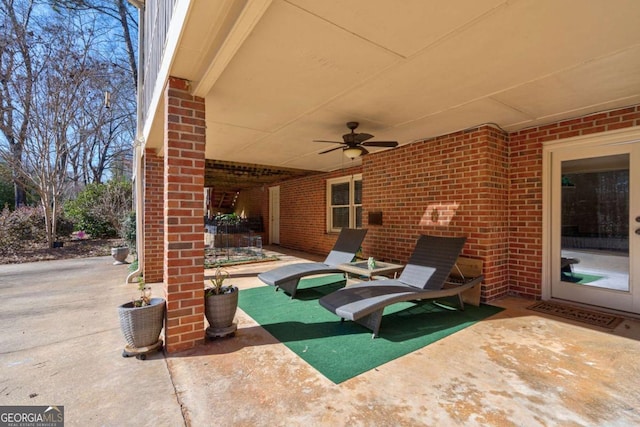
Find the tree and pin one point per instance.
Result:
(116, 11)
(68, 125)
(107, 130)
(16, 82)
(59, 132)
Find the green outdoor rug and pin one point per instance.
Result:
(343, 350)
(580, 277)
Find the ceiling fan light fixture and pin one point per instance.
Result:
(352, 152)
(353, 144)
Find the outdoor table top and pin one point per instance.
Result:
(361, 268)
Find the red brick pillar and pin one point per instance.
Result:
(184, 216)
(153, 217)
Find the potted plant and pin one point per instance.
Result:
(120, 254)
(128, 235)
(220, 304)
(141, 322)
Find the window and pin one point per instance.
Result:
(344, 203)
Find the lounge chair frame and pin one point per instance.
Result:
(424, 278)
(288, 277)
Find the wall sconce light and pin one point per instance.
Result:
(352, 152)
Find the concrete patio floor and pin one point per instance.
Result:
(60, 344)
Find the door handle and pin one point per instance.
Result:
(638, 231)
(638, 219)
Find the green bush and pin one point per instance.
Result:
(129, 231)
(100, 209)
(7, 198)
(6, 195)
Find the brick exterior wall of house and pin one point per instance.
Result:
(153, 217)
(525, 199)
(303, 212)
(493, 180)
(184, 211)
(453, 185)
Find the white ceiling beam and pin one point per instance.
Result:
(245, 23)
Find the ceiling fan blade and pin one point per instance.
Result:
(381, 143)
(361, 137)
(331, 149)
(322, 140)
(358, 140)
(348, 138)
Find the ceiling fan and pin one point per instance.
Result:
(354, 143)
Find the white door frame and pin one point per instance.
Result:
(622, 136)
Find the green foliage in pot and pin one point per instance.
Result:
(228, 219)
(217, 284)
(145, 294)
(220, 303)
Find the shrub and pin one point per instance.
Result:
(6, 194)
(6, 187)
(64, 226)
(100, 209)
(25, 225)
(128, 231)
(19, 227)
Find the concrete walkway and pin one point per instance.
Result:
(60, 344)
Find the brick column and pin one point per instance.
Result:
(184, 216)
(153, 217)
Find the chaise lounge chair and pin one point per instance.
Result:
(344, 250)
(423, 278)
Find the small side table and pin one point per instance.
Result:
(361, 268)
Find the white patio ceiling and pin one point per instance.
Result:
(278, 74)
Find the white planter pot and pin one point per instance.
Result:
(120, 255)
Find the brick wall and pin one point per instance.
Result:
(153, 217)
(453, 185)
(525, 199)
(184, 211)
(250, 202)
(303, 213)
(494, 178)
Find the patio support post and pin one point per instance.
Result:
(184, 146)
(153, 211)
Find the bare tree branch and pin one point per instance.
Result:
(70, 137)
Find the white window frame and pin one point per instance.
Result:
(351, 180)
